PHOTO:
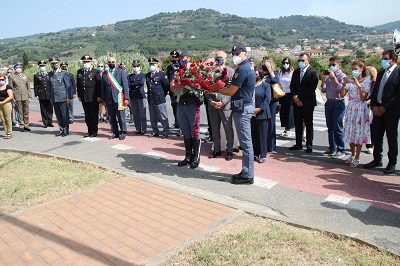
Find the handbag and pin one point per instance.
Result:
(277, 90)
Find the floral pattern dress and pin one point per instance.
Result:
(356, 121)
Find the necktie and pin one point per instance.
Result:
(382, 84)
(85, 72)
(301, 74)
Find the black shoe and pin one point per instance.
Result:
(237, 175)
(194, 165)
(215, 154)
(372, 164)
(309, 149)
(242, 181)
(143, 132)
(390, 168)
(152, 135)
(165, 136)
(229, 156)
(87, 135)
(183, 163)
(122, 136)
(59, 134)
(50, 125)
(235, 150)
(176, 126)
(44, 126)
(296, 147)
(93, 135)
(27, 129)
(21, 129)
(64, 134)
(113, 136)
(71, 122)
(130, 121)
(138, 133)
(178, 134)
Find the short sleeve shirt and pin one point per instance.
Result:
(245, 79)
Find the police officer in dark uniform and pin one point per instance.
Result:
(41, 88)
(171, 70)
(61, 88)
(157, 88)
(64, 67)
(138, 98)
(89, 93)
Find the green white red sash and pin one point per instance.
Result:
(118, 87)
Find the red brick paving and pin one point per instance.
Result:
(123, 223)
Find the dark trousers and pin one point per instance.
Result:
(259, 130)
(334, 113)
(91, 116)
(304, 114)
(208, 117)
(62, 115)
(46, 110)
(286, 112)
(387, 122)
(115, 114)
(272, 128)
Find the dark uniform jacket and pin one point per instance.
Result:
(262, 98)
(157, 87)
(89, 85)
(136, 86)
(305, 90)
(41, 85)
(72, 91)
(61, 87)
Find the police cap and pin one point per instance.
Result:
(184, 53)
(238, 48)
(53, 60)
(41, 63)
(86, 58)
(152, 60)
(174, 53)
(136, 63)
(63, 63)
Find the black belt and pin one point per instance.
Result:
(334, 100)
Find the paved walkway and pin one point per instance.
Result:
(143, 220)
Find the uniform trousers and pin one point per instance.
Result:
(334, 113)
(71, 110)
(158, 112)
(23, 113)
(218, 117)
(115, 115)
(243, 128)
(91, 110)
(46, 110)
(138, 109)
(62, 115)
(5, 116)
(189, 120)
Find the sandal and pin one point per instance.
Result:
(8, 136)
(354, 163)
(349, 160)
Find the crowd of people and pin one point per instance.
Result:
(246, 109)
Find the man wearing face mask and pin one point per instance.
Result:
(157, 89)
(64, 67)
(171, 70)
(41, 88)
(60, 94)
(241, 91)
(89, 92)
(19, 82)
(137, 98)
(385, 99)
(188, 112)
(303, 85)
(334, 107)
(115, 92)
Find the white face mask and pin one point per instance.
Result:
(86, 65)
(136, 69)
(18, 70)
(42, 69)
(236, 60)
(153, 68)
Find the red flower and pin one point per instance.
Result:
(199, 80)
(210, 78)
(180, 72)
(192, 65)
(198, 75)
(217, 71)
(193, 70)
(211, 63)
(206, 83)
(201, 66)
(208, 69)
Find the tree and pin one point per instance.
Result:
(25, 61)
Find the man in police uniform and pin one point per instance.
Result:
(89, 93)
(171, 70)
(41, 88)
(64, 67)
(157, 89)
(19, 82)
(138, 98)
(61, 91)
(242, 90)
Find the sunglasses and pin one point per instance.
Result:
(301, 60)
(2, 79)
(111, 62)
(100, 66)
(286, 62)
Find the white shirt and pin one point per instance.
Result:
(284, 79)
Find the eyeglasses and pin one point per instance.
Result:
(111, 62)
(2, 79)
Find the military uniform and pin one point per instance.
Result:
(157, 88)
(22, 95)
(72, 92)
(171, 70)
(41, 88)
(138, 99)
(61, 87)
(89, 91)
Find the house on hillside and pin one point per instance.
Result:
(316, 53)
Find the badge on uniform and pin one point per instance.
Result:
(236, 75)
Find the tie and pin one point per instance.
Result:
(301, 74)
(382, 84)
(84, 72)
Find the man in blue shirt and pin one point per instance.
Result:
(242, 90)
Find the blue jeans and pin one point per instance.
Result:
(243, 128)
(334, 113)
(189, 120)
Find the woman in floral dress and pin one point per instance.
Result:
(356, 123)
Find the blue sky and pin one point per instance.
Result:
(43, 16)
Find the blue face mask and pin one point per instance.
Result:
(355, 73)
(100, 68)
(182, 62)
(385, 64)
(219, 60)
(333, 68)
(2, 83)
(286, 66)
(302, 64)
(153, 68)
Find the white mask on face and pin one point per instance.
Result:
(86, 65)
(18, 70)
(136, 69)
(236, 60)
(42, 69)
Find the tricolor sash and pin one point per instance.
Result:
(118, 87)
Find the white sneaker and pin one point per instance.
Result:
(349, 160)
(354, 163)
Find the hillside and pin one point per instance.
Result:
(196, 30)
(389, 26)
